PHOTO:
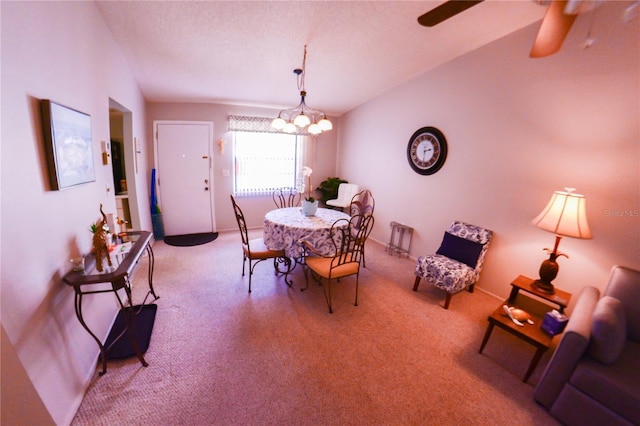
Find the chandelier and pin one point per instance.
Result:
(290, 120)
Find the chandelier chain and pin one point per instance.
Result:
(303, 71)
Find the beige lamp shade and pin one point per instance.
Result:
(565, 215)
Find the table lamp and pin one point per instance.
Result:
(565, 216)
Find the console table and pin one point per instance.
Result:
(111, 280)
(526, 297)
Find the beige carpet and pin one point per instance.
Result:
(219, 355)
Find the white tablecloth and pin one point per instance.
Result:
(284, 228)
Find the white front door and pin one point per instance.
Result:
(184, 166)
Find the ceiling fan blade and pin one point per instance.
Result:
(553, 30)
(445, 11)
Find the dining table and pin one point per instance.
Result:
(284, 228)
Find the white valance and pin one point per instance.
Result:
(241, 123)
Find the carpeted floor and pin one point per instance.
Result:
(219, 355)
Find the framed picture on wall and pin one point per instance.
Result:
(69, 151)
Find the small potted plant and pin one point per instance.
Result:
(309, 204)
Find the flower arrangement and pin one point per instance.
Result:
(306, 172)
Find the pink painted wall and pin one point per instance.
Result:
(517, 130)
(61, 51)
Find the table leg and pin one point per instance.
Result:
(103, 354)
(534, 362)
(129, 315)
(513, 294)
(487, 334)
(150, 271)
(288, 264)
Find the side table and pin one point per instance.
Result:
(536, 306)
(111, 280)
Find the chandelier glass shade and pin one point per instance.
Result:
(297, 119)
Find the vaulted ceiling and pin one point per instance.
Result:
(244, 52)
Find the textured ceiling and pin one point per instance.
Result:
(244, 52)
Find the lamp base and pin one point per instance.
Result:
(548, 272)
(543, 286)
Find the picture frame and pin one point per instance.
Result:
(68, 145)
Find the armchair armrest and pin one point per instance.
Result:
(570, 350)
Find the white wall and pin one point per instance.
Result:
(61, 51)
(517, 130)
(254, 208)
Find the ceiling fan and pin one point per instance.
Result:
(555, 25)
(445, 11)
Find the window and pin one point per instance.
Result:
(265, 162)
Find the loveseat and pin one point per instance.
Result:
(593, 377)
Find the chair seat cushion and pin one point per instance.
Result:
(322, 267)
(460, 249)
(447, 274)
(259, 250)
(338, 203)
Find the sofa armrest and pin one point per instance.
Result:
(624, 285)
(572, 346)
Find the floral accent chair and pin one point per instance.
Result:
(458, 262)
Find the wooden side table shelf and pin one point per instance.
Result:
(112, 279)
(537, 307)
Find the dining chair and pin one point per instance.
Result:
(286, 197)
(458, 262)
(362, 203)
(346, 191)
(347, 255)
(255, 250)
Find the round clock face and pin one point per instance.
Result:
(427, 150)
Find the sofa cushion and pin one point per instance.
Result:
(578, 409)
(460, 249)
(624, 285)
(613, 385)
(608, 331)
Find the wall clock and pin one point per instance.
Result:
(427, 150)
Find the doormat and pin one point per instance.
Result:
(143, 326)
(190, 239)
